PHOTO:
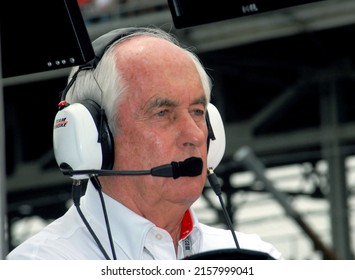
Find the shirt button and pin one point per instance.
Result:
(158, 236)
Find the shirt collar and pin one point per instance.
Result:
(129, 230)
(186, 225)
(123, 223)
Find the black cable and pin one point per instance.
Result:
(97, 185)
(76, 193)
(227, 254)
(216, 186)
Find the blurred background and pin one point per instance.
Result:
(284, 85)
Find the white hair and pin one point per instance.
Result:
(105, 85)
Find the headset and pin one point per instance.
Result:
(82, 139)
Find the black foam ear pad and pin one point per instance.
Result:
(105, 137)
(82, 138)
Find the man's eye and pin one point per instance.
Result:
(162, 113)
(199, 112)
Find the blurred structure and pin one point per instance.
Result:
(283, 82)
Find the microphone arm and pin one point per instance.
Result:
(189, 167)
(104, 172)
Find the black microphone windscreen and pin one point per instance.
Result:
(190, 167)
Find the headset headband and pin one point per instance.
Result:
(100, 46)
(104, 42)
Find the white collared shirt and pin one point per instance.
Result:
(134, 237)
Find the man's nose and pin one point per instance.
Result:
(192, 133)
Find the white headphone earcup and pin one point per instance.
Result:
(75, 140)
(216, 147)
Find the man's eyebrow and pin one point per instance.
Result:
(165, 102)
(160, 102)
(200, 100)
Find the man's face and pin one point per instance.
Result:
(162, 116)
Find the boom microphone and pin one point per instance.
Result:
(190, 167)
